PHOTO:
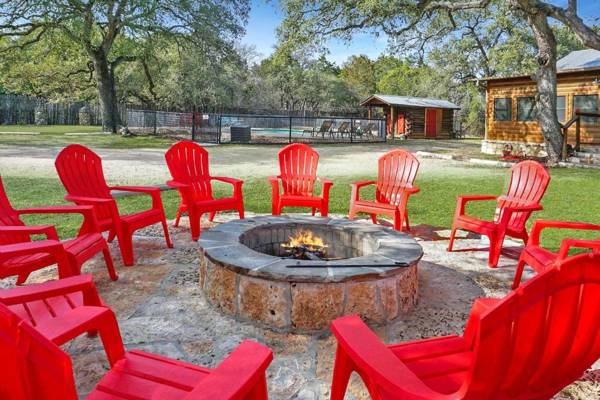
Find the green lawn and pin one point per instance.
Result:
(55, 136)
(573, 195)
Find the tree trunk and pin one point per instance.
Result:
(546, 84)
(106, 90)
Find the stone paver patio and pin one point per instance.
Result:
(161, 309)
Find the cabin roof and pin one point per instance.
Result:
(576, 61)
(391, 100)
(579, 60)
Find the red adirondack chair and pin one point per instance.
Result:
(35, 368)
(529, 345)
(20, 259)
(86, 245)
(80, 171)
(188, 164)
(528, 183)
(63, 310)
(397, 170)
(540, 259)
(298, 174)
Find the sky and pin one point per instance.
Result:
(266, 15)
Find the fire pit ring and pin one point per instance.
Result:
(245, 272)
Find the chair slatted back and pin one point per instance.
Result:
(9, 217)
(188, 164)
(528, 183)
(80, 171)
(397, 170)
(32, 368)
(542, 336)
(298, 169)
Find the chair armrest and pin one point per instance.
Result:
(48, 230)
(274, 179)
(40, 246)
(356, 186)
(567, 244)
(152, 191)
(90, 224)
(371, 356)
(88, 200)
(52, 247)
(325, 181)
(361, 184)
(540, 225)
(74, 284)
(225, 179)
(237, 375)
(178, 185)
(462, 201)
(412, 189)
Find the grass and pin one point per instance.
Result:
(572, 196)
(55, 136)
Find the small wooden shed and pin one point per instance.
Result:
(416, 117)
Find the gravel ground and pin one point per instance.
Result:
(147, 166)
(161, 309)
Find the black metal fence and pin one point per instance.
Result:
(229, 128)
(201, 127)
(22, 110)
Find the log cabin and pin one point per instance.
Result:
(415, 117)
(511, 121)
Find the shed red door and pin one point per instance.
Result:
(400, 126)
(430, 122)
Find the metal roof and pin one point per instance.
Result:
(579, 60)
(410, 101)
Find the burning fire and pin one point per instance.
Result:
(305, 239)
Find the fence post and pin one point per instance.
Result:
(193, 126)
(219, 131)
(155, 122)
(290, 137)
(351, 129)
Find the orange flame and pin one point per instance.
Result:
(307, 239)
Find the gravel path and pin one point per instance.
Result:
(161, 309)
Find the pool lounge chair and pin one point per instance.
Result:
(344, 129)
(325, 127)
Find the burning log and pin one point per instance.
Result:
(306, 246)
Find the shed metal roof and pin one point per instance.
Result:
(579, 60)
(410, 101)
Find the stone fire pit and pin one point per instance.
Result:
(244, 273)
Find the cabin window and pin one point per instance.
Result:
(586, 103)
(502, 109)
(561, 108)
(526, 109)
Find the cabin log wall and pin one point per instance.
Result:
(569, 85)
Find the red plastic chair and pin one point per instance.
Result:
(397, 170)
(35, 368)
(298, 174)
(529, 345)
(188, 164)
(528, 183)
(80, 171)
(20, 259)
(540, 259)
(86, 245)
(63, 310)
